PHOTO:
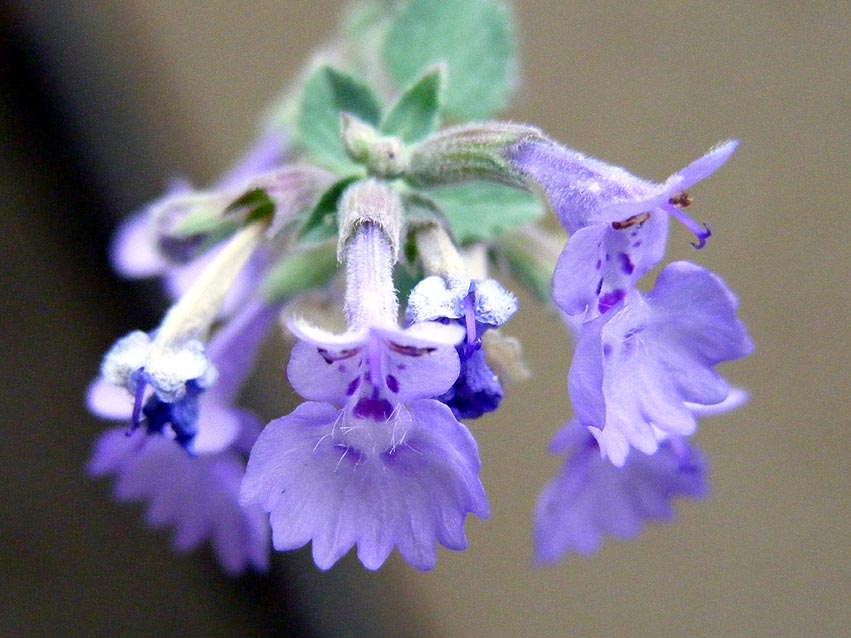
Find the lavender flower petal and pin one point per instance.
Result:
(197, 496)
(600, 264)
(591, 498)
(408, 482)
(640, 365)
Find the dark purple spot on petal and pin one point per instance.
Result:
(607, 350)
(626, 263)
(331, 357)
(342, 368)
(374, 409)
(599, 264)
(392, 383)
(599, 287)
(409, 351)
(636, 244)
(353, 386)
(610, 299)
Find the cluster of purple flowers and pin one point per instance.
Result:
(377, 457)
(643, 368)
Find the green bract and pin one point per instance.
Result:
(327, 93)
(320, 225)
(480, 211)
(474, 38)
(531, 259)
(416, 113)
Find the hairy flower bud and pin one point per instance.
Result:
(383, 156)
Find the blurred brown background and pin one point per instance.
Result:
(101, 102)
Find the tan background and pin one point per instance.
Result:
(651, 86)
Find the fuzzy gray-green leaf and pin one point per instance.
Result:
(299, 272)
(482, 211)
(473, 37)
(327, 93)
(415, 114)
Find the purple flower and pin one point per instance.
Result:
(135, 251)
(145, 245)
(584, 191)
(638, 367)
(196, 494)
(592, 498)
(370, 459)
(198, 497)
(618, 222)
(478, 306)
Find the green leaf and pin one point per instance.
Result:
(327, 93)
(415, 114)
(321, 223)
(299, 272)
(481, 211)
(473, 37)
(256, 203)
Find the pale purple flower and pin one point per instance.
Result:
(478, 306)
(591, 498)
(198, 497)
(584, 191)
(196, 494)
(637, 368)
(618, 222)
(135, 251)
(370, 459)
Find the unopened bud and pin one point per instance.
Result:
(383, 156)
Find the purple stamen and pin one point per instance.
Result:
(473, 340)
(138, 401)
(702, 234)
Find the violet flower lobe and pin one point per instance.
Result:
(618, 222)
(592, 498)
(370, 459)
(196, 494)
(638, 368)
(478, 306)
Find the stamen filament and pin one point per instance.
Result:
(702, 234)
